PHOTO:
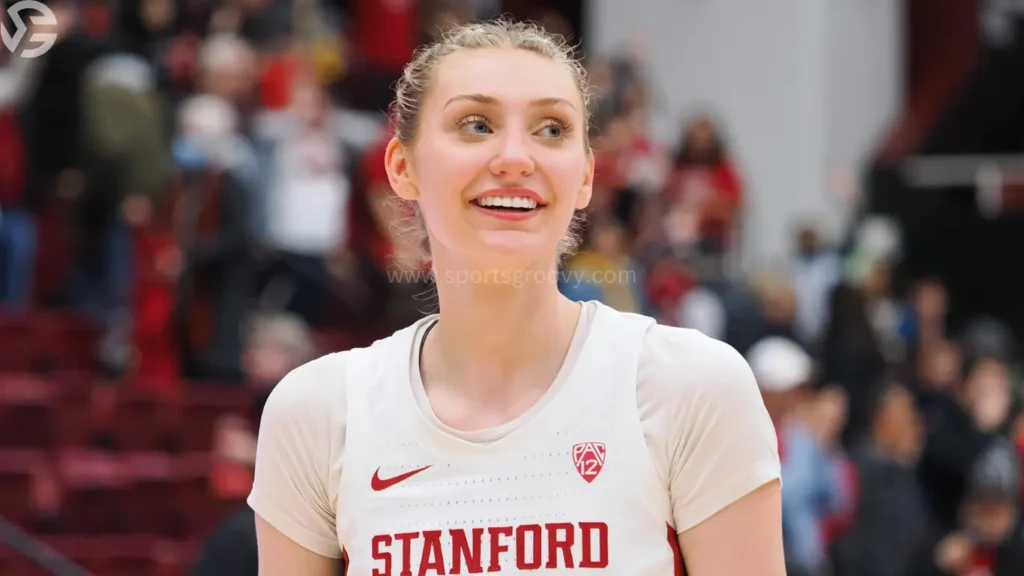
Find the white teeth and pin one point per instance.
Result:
(508, 202)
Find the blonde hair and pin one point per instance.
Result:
(412, 87)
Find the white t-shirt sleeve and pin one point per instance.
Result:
(709, 432)
(298, 456)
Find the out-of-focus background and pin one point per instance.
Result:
(193, 202)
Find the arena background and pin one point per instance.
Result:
(192, 202)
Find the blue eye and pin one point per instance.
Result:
(554, 129)
(476, 125)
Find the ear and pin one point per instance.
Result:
(587, 190)
(399, 168)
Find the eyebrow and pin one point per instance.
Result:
(492, 101)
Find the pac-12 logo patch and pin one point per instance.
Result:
(589, 459)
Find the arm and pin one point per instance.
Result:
(279, 555)
(293, 491)
(724, 468)
(745, 537)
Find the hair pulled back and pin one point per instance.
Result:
(419, 73)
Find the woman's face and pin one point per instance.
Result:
(497, 127)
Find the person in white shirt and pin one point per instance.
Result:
(516, 431)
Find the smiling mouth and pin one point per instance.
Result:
(508, 203)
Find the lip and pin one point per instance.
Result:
(514, 192)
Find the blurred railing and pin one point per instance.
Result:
(998, 180)
(22, 543)
(960, 216)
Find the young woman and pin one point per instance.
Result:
(516, 431)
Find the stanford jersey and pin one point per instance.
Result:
(646, 431)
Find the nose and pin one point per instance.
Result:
(513, 159)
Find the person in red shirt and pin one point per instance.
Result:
(704, 193)
(385, 35)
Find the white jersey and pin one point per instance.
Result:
(646, 431)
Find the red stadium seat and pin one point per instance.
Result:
(17, 352)
(192, 494)
(120, 555)
(203, 406)
(147, 500)
(145, 420)
(92, 480)
(27, 410)
(17, 474)
(50, 339)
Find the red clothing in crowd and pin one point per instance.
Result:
(276, 81)
(12, 161)
(715, 189)
(157, 362)
(385, 32)
(981, 563)
(838, 523)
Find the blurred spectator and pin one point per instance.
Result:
(606, 268)
(852, 356)
(889, 535)
(18, 235)
(988, 337)
(778, 303)
(53, 119)
(815, 271)
(668, 283)
(275, 344)
(940, 371)
(231, 550)
(961, 423)
(870, 267)
(308, 201)
(813, 471)
(394, 277)
(228, 70)
(703, 310)
(923, 325)
(990, 534)
(384, 34)
(704, 194)
(157, 354)
(215, 230)
(125, 170)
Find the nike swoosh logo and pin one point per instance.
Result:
(377, 483)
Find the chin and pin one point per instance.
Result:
(513, 247)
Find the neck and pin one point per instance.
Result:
(498, 334)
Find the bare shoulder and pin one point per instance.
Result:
(683, 365)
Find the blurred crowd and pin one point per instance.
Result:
(202, 179)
